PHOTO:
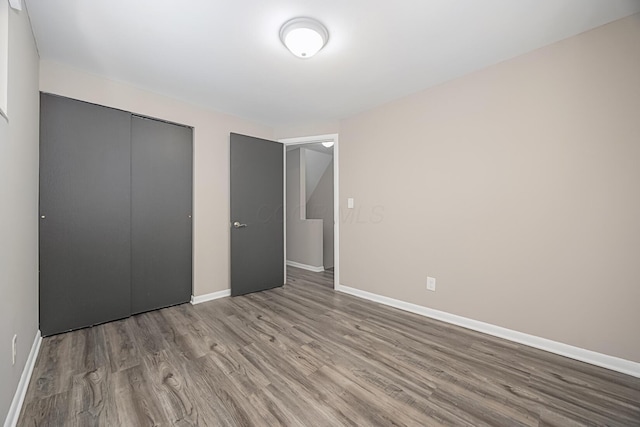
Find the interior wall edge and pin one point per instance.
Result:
(19, 153)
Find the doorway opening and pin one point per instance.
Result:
(311, 231)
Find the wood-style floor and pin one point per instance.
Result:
(305, 355)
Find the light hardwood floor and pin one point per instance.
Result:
(305, 355)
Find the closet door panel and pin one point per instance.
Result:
(162, 158)
(85, 201)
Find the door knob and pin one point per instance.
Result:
(238, 225)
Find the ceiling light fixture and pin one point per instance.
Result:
(304, 37)
(328, 144)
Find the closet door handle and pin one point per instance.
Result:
(238, 225)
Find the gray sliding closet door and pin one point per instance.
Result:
(161, 178)
(85, 225)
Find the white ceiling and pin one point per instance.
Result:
(226, 55)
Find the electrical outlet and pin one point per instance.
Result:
(431, 284)
(14, 349)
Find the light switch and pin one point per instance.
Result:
(350, 203)
(431, 283)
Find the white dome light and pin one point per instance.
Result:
(304, 37)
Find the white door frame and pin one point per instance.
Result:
(336, 199)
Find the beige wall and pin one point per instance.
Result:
(307, 129)
(19, 207)
(517, 187)
(211, 158)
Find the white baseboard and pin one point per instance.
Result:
(605, 361)
(21, 391)
(210, 297)
(305, 266)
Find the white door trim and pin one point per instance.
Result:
(336, 197)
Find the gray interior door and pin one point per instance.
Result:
(257, 233)
(161, 188)
(85, 224)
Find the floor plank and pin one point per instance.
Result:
(306, 355)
